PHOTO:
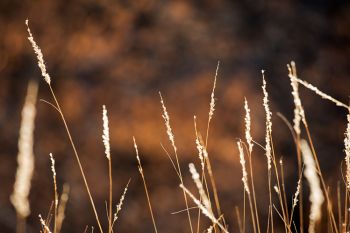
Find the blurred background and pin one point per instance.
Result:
(121, 53)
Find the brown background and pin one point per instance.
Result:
(121, 53)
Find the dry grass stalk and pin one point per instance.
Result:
(210, 116)
(316, 196)
(268, 147)
(249, 140)
(172, 141)
(268, 124)
(204, 210)
(299, 115)
(62, 207)
(145, 185)
(105, 139)
(25, 158)
(245, 183)
(166, 118)
(55, 191)
(57, 106)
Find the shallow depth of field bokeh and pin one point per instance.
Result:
(121, 53)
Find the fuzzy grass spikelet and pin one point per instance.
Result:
(299, 114)
(39, 55)
(105, 135)
(268, 123)
(347, 152)
(247, 121)
(244, 170)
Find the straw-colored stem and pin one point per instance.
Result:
(145, 185)
(279, 188)
(77, 158)
(149, 201)
(20, 224)
(252, 212)
(339, 207)
(253, 190)
(284, 192)
(213, 184)
(270, 199)
(244, 210)
(110, 193)
(238, 219)
(172, 141)
(345, 211)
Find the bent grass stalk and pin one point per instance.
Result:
(299, 115)
(172, 141)
(58, 108)
(210, 116)
(249, 140)
(145, 185)
(245, 182)
(268, 143)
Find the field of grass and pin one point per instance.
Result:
(312, 208)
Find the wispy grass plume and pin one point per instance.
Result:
(39, 55)
(244, 170)
(268, 123)
(299, 114)
(347, 152)
(247, 121)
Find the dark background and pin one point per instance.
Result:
(121, 53)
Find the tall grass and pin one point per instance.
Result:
(281, 210)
